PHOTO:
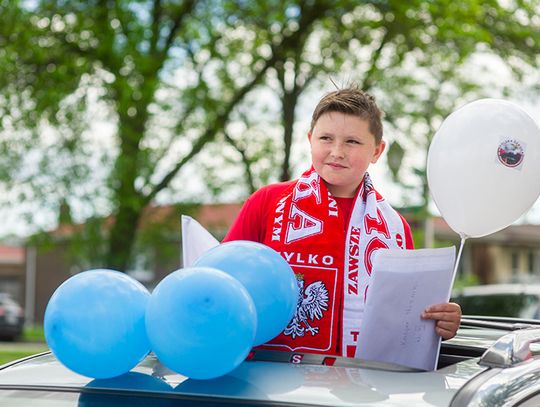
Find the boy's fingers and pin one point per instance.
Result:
(447, 326)
(448, 311)
(441, 316)
(445, 334)
(447, 317)
(445, 307)
(436, 308)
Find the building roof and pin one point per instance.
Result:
(218, 218)
(12, 255)
(215, 217)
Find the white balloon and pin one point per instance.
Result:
(483, 166)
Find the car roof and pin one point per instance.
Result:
(265, 381)
(494, 289)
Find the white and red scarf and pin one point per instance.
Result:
(331, 259)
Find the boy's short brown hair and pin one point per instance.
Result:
(351, 101)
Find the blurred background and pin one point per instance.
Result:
(118, 116)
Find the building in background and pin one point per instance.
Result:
(12, 271)
(31, 275)
(511, 255)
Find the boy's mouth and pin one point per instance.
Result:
(336, 165)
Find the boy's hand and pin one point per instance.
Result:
(447, 317)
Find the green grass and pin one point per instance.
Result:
(10, 355)
(32, 341)
(33, 334)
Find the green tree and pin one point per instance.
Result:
(174, 77)
(491, 48)
(169, 74)
(375, 45)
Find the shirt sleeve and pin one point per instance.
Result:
(409, 242)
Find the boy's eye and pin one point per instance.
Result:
(353, 141)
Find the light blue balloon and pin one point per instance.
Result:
(266, 275)
(201, 322)
(94, 323)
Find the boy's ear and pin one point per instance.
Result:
(309, 136)
(379, 149)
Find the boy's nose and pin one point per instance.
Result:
(337, 150)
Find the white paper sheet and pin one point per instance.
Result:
(195, 240)
(403, 284)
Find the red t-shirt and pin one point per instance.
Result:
(251, 222)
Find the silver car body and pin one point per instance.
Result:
(482, 366)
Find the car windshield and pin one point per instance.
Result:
(506, 305)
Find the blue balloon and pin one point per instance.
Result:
(94, 323)
(266, 275)
(201, 322)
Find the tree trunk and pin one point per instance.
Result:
(289, 106)
(122, 237)
(130, 202)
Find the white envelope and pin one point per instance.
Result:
(403, 284)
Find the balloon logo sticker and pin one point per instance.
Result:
(511, 153)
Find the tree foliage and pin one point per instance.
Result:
(176, 78)
(380, 45)
(168, 73)
(487, 51)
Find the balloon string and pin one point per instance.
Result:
(463, 238)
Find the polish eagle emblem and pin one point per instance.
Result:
(312, 302)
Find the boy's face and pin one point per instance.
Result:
(342, 147)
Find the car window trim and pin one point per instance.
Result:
(153, 394)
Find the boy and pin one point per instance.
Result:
(328, 223)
